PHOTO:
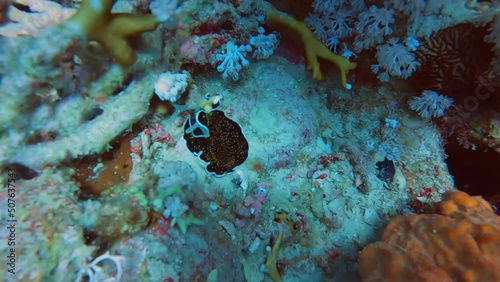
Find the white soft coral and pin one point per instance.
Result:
(415, 10)
(430, 104)
(333, 19)
(333, 6)
(230, 60)
(327, 6)
(372, 26)
(394, 59)
(174, 207)
(163, 9)
(264, 44)
(376, 21)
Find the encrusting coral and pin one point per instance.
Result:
(459, 242)
(111, 30)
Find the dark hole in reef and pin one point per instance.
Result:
(227, 25)
(128, 79)
(135, 41)
(92, 114)
(475, 172)
(208, 28)
(89, 237)
(92, 238)
(159, 106)
(20, 171)
(416, 206)
(41, 137)
(299, 9)
(22, 7)
(183, 98)
(386, 170)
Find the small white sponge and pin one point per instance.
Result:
(170, 86)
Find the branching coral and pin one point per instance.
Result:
(90, 136)
(112, 30)
(272, 259)
(314, 49)
(459, 242)
(81, 124)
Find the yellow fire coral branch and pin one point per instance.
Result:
(96, 21)
(272, 260)
(314, 48)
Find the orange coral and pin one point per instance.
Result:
(116, 167)
(459, 242)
